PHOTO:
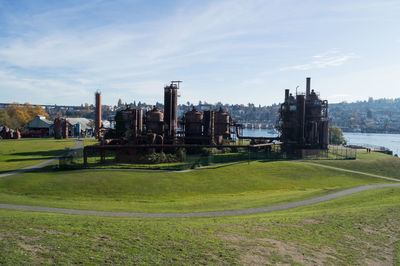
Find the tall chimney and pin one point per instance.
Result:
(171, 110)
(286, 95)
(308, 87)
(97, 122)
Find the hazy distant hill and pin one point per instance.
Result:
(378, 116)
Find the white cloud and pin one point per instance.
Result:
(125, 55)
(328, 59)
(233, 45)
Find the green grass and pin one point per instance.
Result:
(374, 163)
(225, 187)
(16, 154)
(87, 142)
(359, 229)
(192, 161)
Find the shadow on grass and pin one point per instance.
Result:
(51, 153)
(32, 156)
(30, 159)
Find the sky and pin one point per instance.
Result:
(235, 51)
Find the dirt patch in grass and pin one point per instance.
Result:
(375, 254)
(261, 251)
(370, 244)
(31, 245)
(51, 232)
(311, 221)
(31, 248)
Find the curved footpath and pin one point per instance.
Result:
(352, 171)
(203, 214)
(280, 207)
(78, 145)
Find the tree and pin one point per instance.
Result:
(4, 118)
(21, 114)
(336, 136)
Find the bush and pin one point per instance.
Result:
(181, 154)
(226, 150)
(209, 151)
(336, 136)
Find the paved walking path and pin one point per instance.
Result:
(352, 171)
(281, 207)
(78, 145)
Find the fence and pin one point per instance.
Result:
(179, 160)
(188, 159)
(73, 159)
(332, 153)
(341, 152)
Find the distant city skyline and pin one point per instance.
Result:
(237, 52)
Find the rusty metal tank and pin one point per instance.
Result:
(209, 124)
(154, 121)
(65, 127)
(193, 123)
(313, 107)
(17, 134)
(133, 121)
(222, 124)
(3, 132)
(324, 134)
(57, 128)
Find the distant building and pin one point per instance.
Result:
(41, 127)
(83, 122)
(77, 125)
(38, 127)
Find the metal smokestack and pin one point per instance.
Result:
(308, 87)
(97, 122)
(286, 95)
(171, 110)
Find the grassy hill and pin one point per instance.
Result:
(374, 163)
(361, 229)
(225, 187)
(356, 230)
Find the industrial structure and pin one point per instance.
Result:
(163, 127)
(304, 124)
(304, 121)
(60, 128)
(65, 127)
(7, 133)
(97, 120)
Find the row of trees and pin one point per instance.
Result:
(16, 115)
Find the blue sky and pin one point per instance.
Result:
(61, 52)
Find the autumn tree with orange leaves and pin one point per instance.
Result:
(16, 115)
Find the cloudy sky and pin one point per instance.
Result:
(61, 52)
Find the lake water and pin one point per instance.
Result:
(390, 141)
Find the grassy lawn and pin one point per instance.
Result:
(234, 186)
(361, 229)
(374, 162)
(16, 154)
(91, 141)
(191, 161)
